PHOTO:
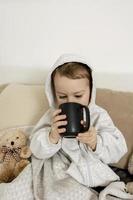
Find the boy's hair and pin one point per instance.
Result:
(73, 70)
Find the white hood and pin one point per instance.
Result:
(65, 58)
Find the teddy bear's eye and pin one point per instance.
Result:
(17, 137)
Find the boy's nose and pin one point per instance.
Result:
(70, 99)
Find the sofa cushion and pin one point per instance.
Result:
(120, 107)
(21, 105)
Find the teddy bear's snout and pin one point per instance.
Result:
(12, 143)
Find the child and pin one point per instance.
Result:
(89, 154)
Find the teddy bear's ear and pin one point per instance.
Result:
(22, 131)
(130, 164)
(3, 136)
(3, 132)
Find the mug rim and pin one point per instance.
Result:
(72, 103)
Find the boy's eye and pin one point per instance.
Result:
(78, 96)
(62, 97)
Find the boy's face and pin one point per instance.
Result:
(71, 90)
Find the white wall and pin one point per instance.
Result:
(33, 33)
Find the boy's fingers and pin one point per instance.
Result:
(88, 141)
(56, 112)
(86, 134)
(61, 123)
(61, 130)
(59, 118)
(83, 123)
(86, 137)
(91, 128)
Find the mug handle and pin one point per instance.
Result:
(86, 118)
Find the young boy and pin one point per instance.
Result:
(89, 154)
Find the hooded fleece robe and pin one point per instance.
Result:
(88, 167)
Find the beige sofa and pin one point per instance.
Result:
(22, 105)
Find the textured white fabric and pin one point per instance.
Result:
(20, 188)
(52, 183)
(55, 186)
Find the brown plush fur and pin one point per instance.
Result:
(14, 154)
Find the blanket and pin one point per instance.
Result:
(52, 183)
(47, 180)
(42, 181)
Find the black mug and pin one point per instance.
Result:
(75, 112)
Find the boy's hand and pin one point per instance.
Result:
(57, 121)
(89, 138)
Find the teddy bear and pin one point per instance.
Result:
(129, 185)
(14, 154)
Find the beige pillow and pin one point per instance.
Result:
(120, 107)
(21, 105)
